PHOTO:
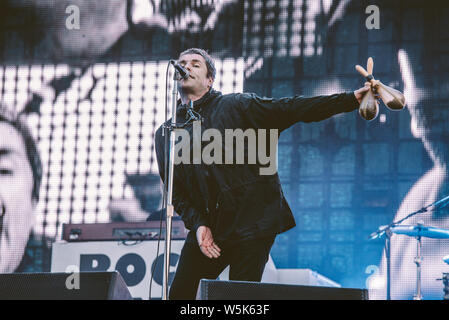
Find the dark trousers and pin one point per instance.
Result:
(246, 259)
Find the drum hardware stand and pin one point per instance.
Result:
(446, 286)
(388, 258)
(385, 231)
(445, 280)
(418, 261)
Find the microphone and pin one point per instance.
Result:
(379, 233)
(181, 70)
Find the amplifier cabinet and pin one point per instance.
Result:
(148, 230)
(63, 286)
(246, 290)
(134, 260)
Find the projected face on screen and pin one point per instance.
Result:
(429, 123)
(82, 30)
(78, 31)
(16, 197)
(429, 116)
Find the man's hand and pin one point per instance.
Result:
(206, 242)
(360, 93)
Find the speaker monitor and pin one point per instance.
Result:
(64, 286)
(244, 290)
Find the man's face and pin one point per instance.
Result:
(16, 185)
(429, 117)
(198, 82)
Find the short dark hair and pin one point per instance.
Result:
(210, 64)
(32, 152)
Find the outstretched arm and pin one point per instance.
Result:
(284, 112)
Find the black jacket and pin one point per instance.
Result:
(234, 200)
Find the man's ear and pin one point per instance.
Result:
(210, 81)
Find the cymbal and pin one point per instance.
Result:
(446, 259)
(421, 231)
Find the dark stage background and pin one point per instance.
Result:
(103, 89)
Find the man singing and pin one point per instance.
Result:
(233, 211)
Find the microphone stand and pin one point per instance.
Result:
(169, 133)
(386, 231)
(169, 162)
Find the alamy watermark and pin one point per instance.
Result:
(72, 282)
(73, 20)
(255, 150)
(373, 20)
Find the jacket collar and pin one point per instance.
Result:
(207, 97)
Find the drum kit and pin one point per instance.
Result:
(417, 231)
(446, 280)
